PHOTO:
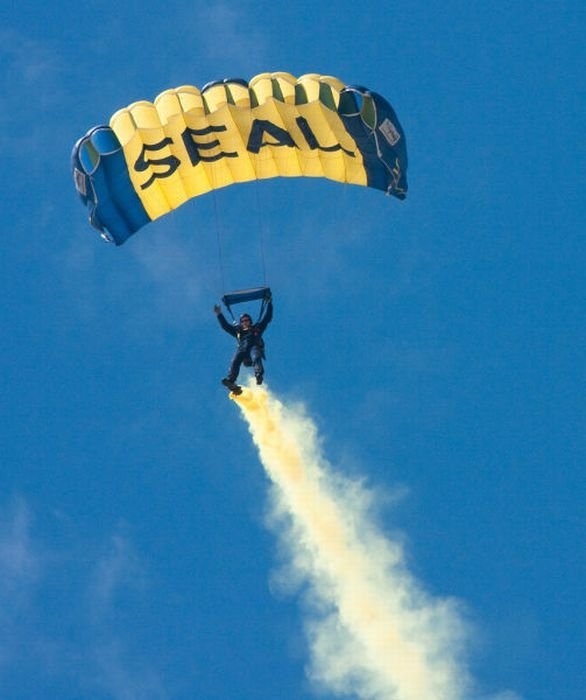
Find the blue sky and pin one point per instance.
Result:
(437, 343)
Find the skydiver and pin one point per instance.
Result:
(250, 344)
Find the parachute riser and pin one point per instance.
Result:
(243, 295)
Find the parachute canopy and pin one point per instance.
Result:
(153, 157)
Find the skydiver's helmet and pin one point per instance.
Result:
(245, 317)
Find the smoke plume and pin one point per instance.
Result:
(373, 632)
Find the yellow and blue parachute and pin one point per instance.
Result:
(153, 157)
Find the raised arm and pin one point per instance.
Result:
(228, 327)
(267, 317)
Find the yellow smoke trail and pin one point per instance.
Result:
(373, 631)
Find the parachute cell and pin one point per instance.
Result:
(153, 157)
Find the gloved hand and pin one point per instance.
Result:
(217, 309)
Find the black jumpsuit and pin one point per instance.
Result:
(250, 349)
